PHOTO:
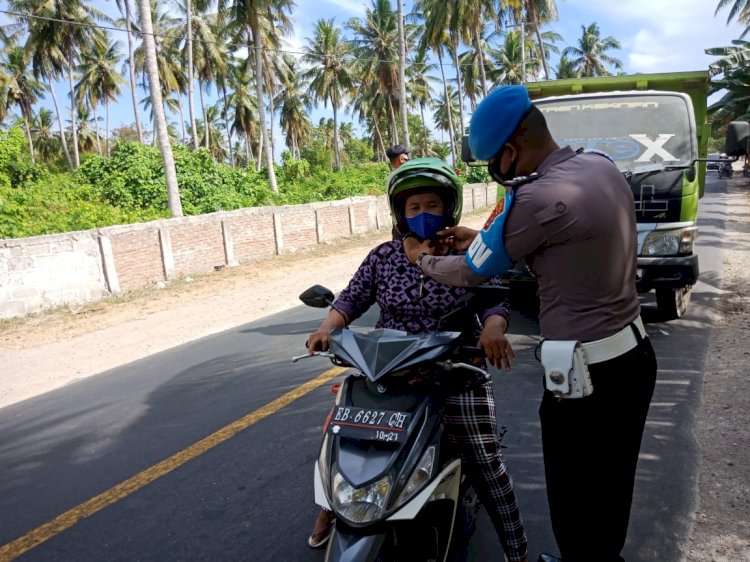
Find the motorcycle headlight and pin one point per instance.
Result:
(669, 242)
(421, 475)
(360, 505)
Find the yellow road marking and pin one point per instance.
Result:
(66, 520)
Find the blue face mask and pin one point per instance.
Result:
(426, 225)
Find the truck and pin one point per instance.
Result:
(654, 128)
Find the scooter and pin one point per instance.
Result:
(725, 169)
(385, 467)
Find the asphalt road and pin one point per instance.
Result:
(246, 494)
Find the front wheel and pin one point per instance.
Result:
(673, 303)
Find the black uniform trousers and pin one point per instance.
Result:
(591, 448)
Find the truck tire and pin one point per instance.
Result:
(673, 303)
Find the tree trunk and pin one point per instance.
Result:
(393, 126)
(336, 136)
(160, 121)
(459, 88)
(247, 153)
(259, 161)
(28, 136)
(106, 122)
(261, 105)
(191, 107)
(424, 130)
(63, 138)
(541, 52)
(96, 132)
(131, 68)
(480, 57)
(206, 140)
(447, 101)
(226, 125)
(402, 73)
(271, 115)
(73, 108)
(380, 139)
(182, 115)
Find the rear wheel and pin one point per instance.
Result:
(673, 303)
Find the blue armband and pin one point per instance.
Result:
(486, 255)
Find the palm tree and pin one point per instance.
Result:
(46, 142)
(212, 129)
(565, 69)
(20, 88)
(540, 12)
(446, 109)
(511, 65)
(376, 45)
(738, 9)
(419, 79)
(731, 74)
(330, 77)
(589, 57)
(244, 107)
(124, 7)
(434, 37)
(55, 43)
(160, 122)
(249, 15)
(99, 81)
(293, 102)
(402, 72)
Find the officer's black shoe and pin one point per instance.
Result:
(548, 558)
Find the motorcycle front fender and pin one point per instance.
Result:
(345, 546)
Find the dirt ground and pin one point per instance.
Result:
(50, 350)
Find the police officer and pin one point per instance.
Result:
(397, 155)
(570, 214)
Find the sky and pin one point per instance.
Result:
(656, 35)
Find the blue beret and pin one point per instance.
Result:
(495, 119)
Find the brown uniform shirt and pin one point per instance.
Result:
(576, 228)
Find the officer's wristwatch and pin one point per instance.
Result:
(420, 257)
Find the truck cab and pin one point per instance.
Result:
(653, 126)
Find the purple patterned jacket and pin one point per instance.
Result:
(386, 278)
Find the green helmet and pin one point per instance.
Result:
(424, 174)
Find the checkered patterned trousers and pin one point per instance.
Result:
(471, 425)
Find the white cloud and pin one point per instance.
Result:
(660, 35)
(354, 7)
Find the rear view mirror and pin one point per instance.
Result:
(738, 133)
(466, 154)
(317, 296)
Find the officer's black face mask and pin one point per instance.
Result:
(494, 168)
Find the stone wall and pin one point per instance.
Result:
(73, 268)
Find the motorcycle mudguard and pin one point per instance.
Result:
(344, 546)
(320, 493)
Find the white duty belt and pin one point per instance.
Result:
(598, 351)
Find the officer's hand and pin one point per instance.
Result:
(458, 237)
(318, 341)
(496, 346)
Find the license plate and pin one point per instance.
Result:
(369, 424)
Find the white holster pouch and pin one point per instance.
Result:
(566, 371)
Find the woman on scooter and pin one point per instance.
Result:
(425, 196)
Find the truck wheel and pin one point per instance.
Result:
(673, 303)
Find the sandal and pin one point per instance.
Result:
(323, 529)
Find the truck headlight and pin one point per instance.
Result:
(669, 242)
(360, 505)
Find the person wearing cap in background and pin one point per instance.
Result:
(397, 154)
(570, 214)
